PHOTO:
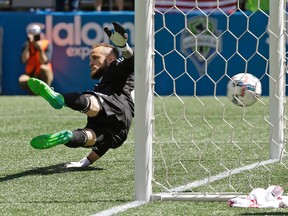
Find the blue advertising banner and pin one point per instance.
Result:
(209, 52)
(196, 66)
(72, 35)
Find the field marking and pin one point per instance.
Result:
(118, 209)
(122, 208)
(221, 176)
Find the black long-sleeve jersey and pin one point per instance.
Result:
(114, 93)
(112, 124)
(118, 80)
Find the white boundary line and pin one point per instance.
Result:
(221, 175)
(122, 208)
(118, 209)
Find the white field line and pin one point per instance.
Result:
(118, 209)
(221, 176)
(122, 208)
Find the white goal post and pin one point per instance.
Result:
(143, 98)
(176, 166)
(277, 82)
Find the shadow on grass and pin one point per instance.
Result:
(58, 168)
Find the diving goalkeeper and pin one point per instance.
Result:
(109, 107)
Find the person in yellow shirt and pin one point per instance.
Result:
(36, 56)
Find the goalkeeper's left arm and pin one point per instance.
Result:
(119, 38)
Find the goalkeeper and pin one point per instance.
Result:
(109, 107)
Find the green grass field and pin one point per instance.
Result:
(34, 182)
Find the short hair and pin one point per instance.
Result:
(114, 50)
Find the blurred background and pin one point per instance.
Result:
(206, 54)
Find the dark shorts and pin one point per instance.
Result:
(111, 125)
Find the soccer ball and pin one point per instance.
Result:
(244, 89)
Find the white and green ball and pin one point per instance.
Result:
(244, 89)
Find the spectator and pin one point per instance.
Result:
(73, 5)
(254, 5)
(98, 4)
(36, 56)
(187, 5)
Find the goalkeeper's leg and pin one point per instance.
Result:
(85, 103)
(40, 88)
(71, 139)
(46, 141)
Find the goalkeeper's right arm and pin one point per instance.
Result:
(85, 162)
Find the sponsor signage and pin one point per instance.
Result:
(199, 63)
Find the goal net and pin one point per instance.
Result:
(191, 141)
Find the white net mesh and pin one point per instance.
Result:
(203, 143)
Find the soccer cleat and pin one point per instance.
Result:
(46, 141)
(40, 88)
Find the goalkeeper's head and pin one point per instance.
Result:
(101, 56)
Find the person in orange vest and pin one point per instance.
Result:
(36, 56)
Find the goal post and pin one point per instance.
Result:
(277, 81)
(143, 99)
(191, 142)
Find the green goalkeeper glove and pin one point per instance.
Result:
(119, 37)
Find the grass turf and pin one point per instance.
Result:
(34, 182)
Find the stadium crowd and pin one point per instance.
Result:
(161, 5)
(66, 5)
